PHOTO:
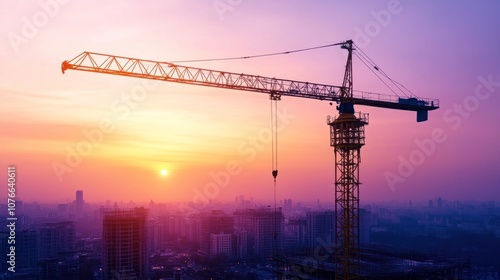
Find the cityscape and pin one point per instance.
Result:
(236, 139)
(245, 239)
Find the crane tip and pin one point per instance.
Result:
(64, 66)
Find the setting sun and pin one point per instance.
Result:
(164, 172)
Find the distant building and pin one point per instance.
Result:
(221, 244)
(155, 236)
(56, 239)
(193, 229)
(79, 202)
(215, 222)
(124, 240)
(320, 228)
(62, 209)
(295, 232)
(265, 229)
(176, 226)
(4, 247)
(241, 243)
(26, 251)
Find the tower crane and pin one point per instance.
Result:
(346, 130)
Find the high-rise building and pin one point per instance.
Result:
(26, 253)
(155, 236)
(79, 196)
(193, 229)
(320, 228)
(295, 232)
(215, 222)
(221, 244)
(240, 243)
(27, 250)
(79, 203)
(56, 239)
(264, 227)
(124, 240)
(177, 225)
(4, 247)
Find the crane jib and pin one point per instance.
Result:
(148, 69)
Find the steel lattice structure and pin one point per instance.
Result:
(347, 136)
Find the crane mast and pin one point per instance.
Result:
(347, 134)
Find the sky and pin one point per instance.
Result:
(81, 131)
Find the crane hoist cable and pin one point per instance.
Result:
(274, 160)
(274, 133)
(274, 142)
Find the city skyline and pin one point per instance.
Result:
(233, 242)
(82, 131)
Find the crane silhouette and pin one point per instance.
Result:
(347, 134)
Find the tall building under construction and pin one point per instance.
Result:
(124, 248)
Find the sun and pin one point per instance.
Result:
(164, 172)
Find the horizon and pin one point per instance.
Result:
(262, 202)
